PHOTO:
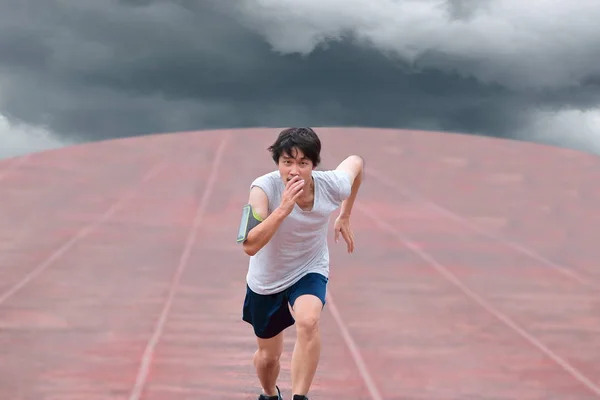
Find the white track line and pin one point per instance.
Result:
(445, 272)
(354, 351)
(146, 361)
(78, 236)
(474, 227)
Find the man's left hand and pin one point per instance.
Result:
(342, 226)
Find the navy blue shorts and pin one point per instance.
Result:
(269, 314)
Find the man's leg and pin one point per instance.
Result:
(307, 299)
(307, 350)
(266, 362)
(269, 316)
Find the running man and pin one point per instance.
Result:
(284, 231)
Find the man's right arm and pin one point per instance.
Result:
(263, 232)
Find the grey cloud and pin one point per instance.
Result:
(95, 70)
(511, 42)
(465, 9)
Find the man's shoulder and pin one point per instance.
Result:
(336, 183)
(266, 181)
(331, 174)
(269, 176)
(334, 177)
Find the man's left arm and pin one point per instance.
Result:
(353, 166)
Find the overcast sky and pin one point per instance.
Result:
(73, 70)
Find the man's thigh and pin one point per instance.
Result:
(308, 295)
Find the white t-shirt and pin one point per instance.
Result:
(299, 246)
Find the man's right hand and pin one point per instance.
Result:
(293, 189)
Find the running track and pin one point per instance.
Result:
(475, 276)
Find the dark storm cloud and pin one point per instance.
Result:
(95, 70)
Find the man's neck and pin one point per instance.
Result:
(305, 201)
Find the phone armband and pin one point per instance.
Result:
(248, 222)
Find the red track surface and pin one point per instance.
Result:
(475, 275)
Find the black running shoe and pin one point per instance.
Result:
(276, 397)
(300, 397)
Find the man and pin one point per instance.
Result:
(284, 231)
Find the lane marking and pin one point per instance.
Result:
(148, 355)
(448, 275)
(80, 235)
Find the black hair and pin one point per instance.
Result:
(304, 139)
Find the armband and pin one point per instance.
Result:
(249, 221)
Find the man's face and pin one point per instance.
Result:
(295, 164)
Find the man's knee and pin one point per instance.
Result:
(268, 358)
(307, 325)
(269, 350)
(307, 313)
